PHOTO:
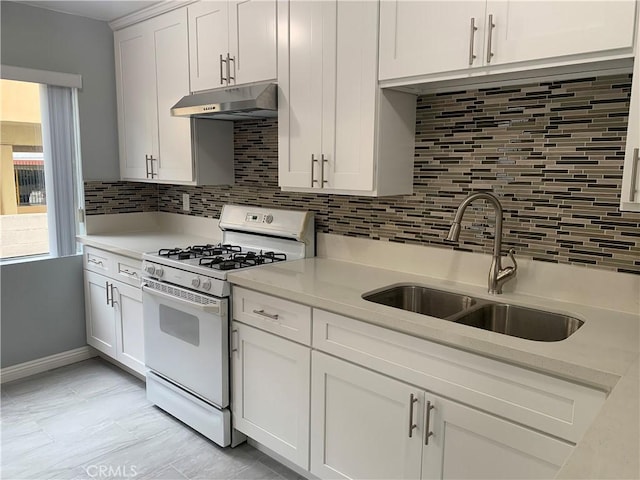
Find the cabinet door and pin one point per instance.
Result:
(423, 37)
(99, 314)
(129, 326)
(171, 69)
(630, 195)
(468, 443)
(300, 103)
(360, 421)
(252, 40)
(271, 391)
(136, 103)
(349, 95)
(208, 39)
(533, 30)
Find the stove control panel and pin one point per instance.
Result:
(182, 278)
(259, 218)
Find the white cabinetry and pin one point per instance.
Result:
(338, 132)
(437, 37)
(231, 42)
(113, 307)
(384, 404)
(270, 373)
(630, 195)
(152, 74)
(367, 425)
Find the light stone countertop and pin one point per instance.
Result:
(603, 353)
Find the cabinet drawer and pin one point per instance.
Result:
(128, 270)
(549, 404)
(282, 317)
(97, 260)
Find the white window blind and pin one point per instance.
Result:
(61, 152)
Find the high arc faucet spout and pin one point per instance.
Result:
(497, 275)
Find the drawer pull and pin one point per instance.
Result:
(412, 426)
(96, 262)
(262, 313)
(427, 428)
(129, 272)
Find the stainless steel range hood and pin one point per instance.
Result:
(233, 103)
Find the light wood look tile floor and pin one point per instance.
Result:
(91, 420)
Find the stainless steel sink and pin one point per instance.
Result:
(419, 299)
(520, 322)
(513, 320)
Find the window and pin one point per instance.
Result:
(40, 187)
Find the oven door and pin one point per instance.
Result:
(186, 339)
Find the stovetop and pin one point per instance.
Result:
(218, 257)
(201, 262)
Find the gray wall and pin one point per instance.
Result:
(41, 309)
(40, 39)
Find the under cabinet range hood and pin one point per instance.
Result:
(233, 103)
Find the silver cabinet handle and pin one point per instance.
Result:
(490, 36)
(96, 262)
(146, 164)
(109, 289)
(634, 174)
(234, 345)
(222, 77)
(262, 313)
(412, 426)
(427, 429)
(229, 60)
(129, 272)
(153, 174)
(314, 160)
(472, 37)
(322, 179)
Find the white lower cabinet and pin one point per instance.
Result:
(344, 398)
(113, 307)
(367, 425)
(101, 329)
(270, 372)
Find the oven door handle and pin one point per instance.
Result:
(210, 308)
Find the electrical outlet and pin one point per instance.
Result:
(185, 202)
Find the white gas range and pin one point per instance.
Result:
(186, 310)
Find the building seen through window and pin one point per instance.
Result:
(23, 196)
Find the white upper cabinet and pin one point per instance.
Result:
(152, 74)
(338, 132)
(423, 37)
(208, 44)
(630, 195)
(231, 43)
(441, 37)
(534, 30)
(136, 104)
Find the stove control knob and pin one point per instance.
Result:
(150, 269)
(195, 282)
(206, 285)
(159, 272)
(268, 218)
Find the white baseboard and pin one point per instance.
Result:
(39, 365)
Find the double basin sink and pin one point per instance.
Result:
(513, 320)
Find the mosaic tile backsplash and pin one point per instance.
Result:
(552, 152)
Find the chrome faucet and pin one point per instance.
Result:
(497, 275)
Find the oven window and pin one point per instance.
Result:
(180, 325)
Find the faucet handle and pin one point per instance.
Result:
(512, 254)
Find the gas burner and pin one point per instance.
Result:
(179, 253)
